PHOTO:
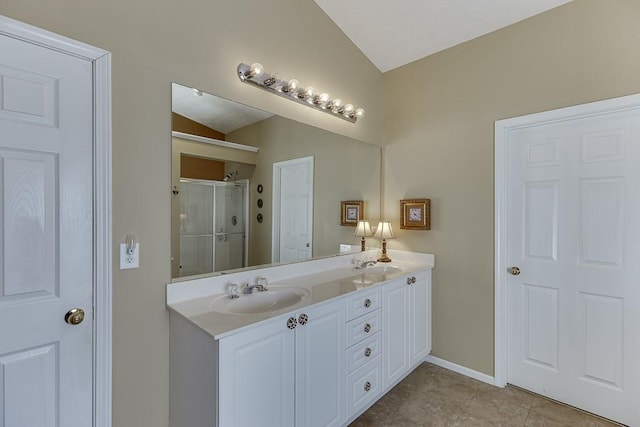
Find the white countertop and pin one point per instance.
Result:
(324, 279)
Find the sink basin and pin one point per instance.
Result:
(380, 269)
(365, 274)
(273, 299)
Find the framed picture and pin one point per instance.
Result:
(351, 211)
(415, 214)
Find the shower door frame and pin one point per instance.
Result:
(245, 218)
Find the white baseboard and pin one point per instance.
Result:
(461, 370)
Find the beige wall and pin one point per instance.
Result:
(439, 135)
(198, 43)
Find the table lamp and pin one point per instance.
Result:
(384, 232)
(363, 229)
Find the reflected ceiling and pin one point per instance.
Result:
(212, 111)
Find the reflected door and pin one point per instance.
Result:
(573, 227)
(293, 210)
(196, 228)
(212, 226)
(229, 225)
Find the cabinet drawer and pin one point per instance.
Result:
(364, 352)
(363, 302)
(363, 386)
(363, 327)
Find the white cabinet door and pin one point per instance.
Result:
(256, 378)
(396, 334)
(320, 375)
(420, 300)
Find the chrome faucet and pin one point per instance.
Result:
(364, 264)
(261, 286)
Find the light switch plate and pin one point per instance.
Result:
(129, 261)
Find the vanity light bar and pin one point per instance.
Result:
(254, 74)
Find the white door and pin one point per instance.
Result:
(293, 210)
(46, 229)
(420, 320)
(573, 231)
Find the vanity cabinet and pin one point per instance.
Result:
(285, 372)
(406, 308)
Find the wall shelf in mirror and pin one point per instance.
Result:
(213, 141)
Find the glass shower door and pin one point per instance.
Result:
(229, 226)
(196, 228)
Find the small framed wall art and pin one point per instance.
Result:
(351, 211)
(415, 214)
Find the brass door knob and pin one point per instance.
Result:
(514, 270)
(75, 316)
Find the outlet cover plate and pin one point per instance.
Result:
(129, 261)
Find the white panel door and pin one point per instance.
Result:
(46, 229)
(320, 365)
(293, 209)
(573, 230)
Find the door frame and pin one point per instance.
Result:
(502, 130)
(102, 283)
(275, 202)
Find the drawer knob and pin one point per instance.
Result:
(367, 386)
(292, 323)
(303, 319)
(408, 280)
(413, 279)
(367, 303)
(367, 327)
(367, 352)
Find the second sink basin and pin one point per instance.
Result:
(380, 269)
(273, 299)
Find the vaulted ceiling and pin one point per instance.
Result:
(395, 33)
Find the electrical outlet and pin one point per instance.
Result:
(129, 260)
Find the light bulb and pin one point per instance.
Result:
(256, 69)
(359, 112)
(309, 91)
(348, 109)
(293, 85)
(336, 104)
(323, 98)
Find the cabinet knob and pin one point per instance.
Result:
(413, 279)
(513, 270)
(303, 319)
(367, 327)
(408, 280)
(367, 303)
(292, 323)
(367, 352)
(367, 386)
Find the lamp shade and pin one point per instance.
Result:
(363, 229)
(384, 231)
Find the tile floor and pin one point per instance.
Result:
(434, 396)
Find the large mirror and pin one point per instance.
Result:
(252, 188)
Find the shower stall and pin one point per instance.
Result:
(213, 226)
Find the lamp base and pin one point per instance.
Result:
(384, 257)
(362, 248)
